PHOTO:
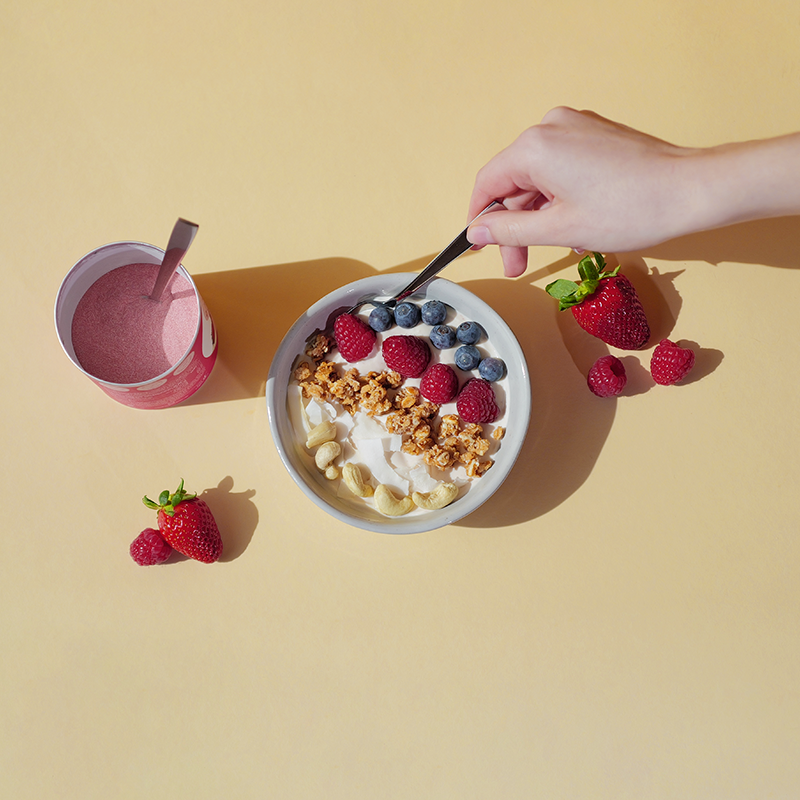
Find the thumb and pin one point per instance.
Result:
(512, 228)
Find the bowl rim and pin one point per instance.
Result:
(278, 380)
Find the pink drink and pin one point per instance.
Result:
(120, 335)
(142, 352)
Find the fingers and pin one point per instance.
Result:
(507, 177)
(511, 228)
(515, 260)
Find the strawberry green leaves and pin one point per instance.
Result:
(592, 269)
(168, 502)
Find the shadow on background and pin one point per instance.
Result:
(568, 425)
(254, 307)
(771, 242)
(236, 517)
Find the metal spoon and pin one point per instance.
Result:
(457, 247)
(182, 236)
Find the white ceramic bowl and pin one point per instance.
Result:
(513, 393)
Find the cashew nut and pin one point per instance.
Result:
(326, 454)
(389, 505)
(324, 432)
(332, 473)
(441, 496)
(354, 480)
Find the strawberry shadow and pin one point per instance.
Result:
(236, 516)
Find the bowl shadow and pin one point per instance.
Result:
(568, 425)
(254, 307)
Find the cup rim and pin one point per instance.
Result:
(58, 319)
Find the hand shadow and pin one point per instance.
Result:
(771, 242)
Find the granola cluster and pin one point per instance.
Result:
(370, 392)
(441, 442)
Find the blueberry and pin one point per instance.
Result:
(434, 312)
(381, 318)
(443, 337)
(492, 369)
(467, 357)
(406, 315)
(469, 333)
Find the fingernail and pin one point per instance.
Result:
(480, 235)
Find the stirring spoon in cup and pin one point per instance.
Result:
(182, 236)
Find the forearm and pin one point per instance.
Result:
(741, 182)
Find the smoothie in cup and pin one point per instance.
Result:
(143, 353)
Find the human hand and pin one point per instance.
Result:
(582, 181)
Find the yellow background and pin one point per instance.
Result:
(620, 621)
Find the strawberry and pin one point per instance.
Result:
(354, 338)
(607, 377)
(670, 363)
(187, 524)
(604, 303)
(439, 384)
(408, 355)
(476, 402)
(150, 548)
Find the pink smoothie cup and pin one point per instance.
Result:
(185, 374)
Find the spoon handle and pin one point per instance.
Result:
(458, 246)
(182, 236)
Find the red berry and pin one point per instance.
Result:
(670, 363)
(439, 384)
(604, 304)
(186, 522)
(607, 377)
(476, 402)
(149, 548)
(354, 338)
(408, 355)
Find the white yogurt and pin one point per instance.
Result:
(365, 440)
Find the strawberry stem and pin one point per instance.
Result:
(592, 269)
(169, 502)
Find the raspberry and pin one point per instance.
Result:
(607, 377)
(670, 363)
(408, 355)
(476, 402)
(354, 338)
(150, 548)
(439, 384)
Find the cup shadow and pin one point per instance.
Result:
(254, 307)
